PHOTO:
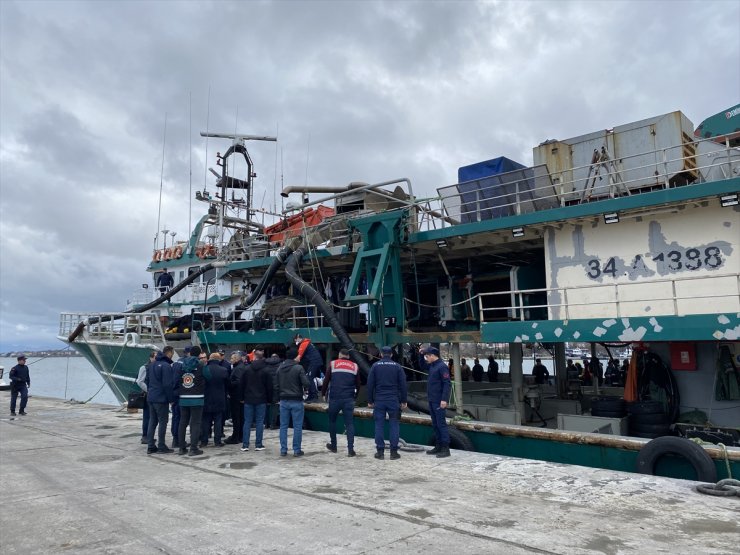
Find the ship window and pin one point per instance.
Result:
(182, 275)
(192, 270)
(210, 275)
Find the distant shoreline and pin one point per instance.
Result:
(46, 353)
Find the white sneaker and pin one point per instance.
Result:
(245, 448)
(259, 448)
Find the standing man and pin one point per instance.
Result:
(492, 369)
(20, 381)
(237, 413)
(160, 393)
(310, 359)
(477, 371)
(290, 382)
(190, 382)
(255, 391)
(386, 394)
(464, 370)
(214, 404)
(164, 282)
(540, 372)
(175, 406)
(438, 394)
(272, 363)
(342, 383)
(141, 382)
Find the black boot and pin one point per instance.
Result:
(379, 454)
(444, 451)
(433, 451)
(395, 455)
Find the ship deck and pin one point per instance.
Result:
(75, 477)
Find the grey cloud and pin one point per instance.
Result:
(383, 90)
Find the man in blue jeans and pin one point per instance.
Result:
(290, 383)
(255, 391)
(386, 394)
(342, 382)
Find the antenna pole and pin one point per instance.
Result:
(161, 175)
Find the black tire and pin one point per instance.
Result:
(608, 413)
(645, 407)
(648, 456)
(458, 440)
(610, 404)
(655, 418)
(650, 428)
(644, 435)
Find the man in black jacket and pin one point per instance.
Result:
(273, 409)
(290, 383)
(214, 402)
(20, 381)
(255, 388)
(235, 400)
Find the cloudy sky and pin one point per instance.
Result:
(357, 91)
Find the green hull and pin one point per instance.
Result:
(595, 456)
(118, 364)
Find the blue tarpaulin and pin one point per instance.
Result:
(487, 169)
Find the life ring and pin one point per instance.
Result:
(647, 458)
(178, 252)
(199, 252)
(157, 256)
(210, 250)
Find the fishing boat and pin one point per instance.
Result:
(625, 237)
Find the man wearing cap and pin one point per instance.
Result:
(342, 382)
(20, 381)
(164, 282)
(438, 394)
(386, 394)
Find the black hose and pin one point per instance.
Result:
(172, 292)
(292, 272)
(179, 287)
(280, 258)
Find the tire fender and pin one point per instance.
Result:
(458, 440)
(703, 464)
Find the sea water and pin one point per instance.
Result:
(64, 378)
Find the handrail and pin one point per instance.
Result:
(520, 307)
(687, 152)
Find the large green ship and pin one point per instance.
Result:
(622, 240)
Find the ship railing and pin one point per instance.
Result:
(113, 326)
(299, 316)
(533, 189)
(334, 231)
(616, 299)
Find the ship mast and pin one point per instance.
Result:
(229, 182)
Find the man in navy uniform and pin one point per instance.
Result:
(20, 381)
(438, 394)
(386, 394)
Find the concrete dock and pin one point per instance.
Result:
(75, 478)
